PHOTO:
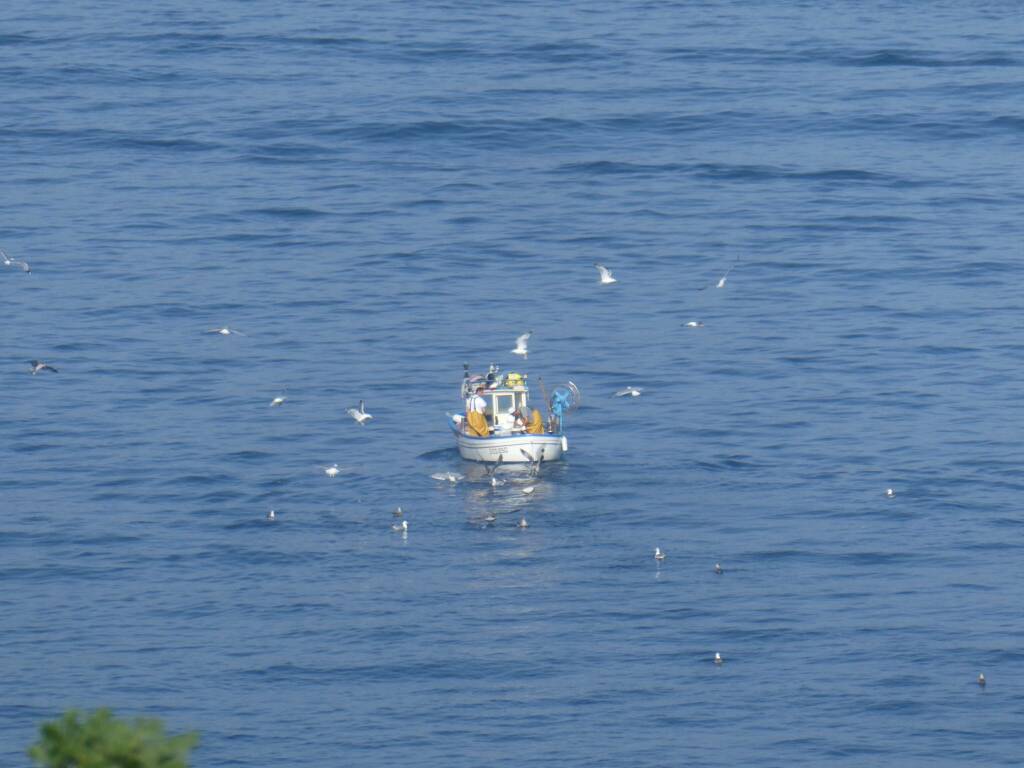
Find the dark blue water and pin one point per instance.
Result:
(375, 194)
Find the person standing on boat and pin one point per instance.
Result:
(476, 418)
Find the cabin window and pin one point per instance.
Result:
(504, 403)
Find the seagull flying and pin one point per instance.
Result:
(359, 414)
(225, 331)
(606, 275)
(9, 262)
(521, 344)
(537, 460)
(723, 278)
(631, 391)
(38, 366)
(331, 471)
(491, 469)
(658, 554)
(451, 477)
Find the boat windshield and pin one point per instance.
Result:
(504, 403)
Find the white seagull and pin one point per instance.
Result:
(695, 324)
(981, 679)
(359, 414)
(491, 469)
(658, 554)
(529, 489)
(718, 659)
(522, 523)
(279, 400)
(39, 367)
(889, 493)
(397, 512)
(451, 477)
(521, 348)
(631, 391)
(723, 278)
(225, 331)
(271, 515)
(332, 470)
(606, 275)
(9, 262)
(402, 527)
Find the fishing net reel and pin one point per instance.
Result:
(564, 400)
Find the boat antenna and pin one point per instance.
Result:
(544, 392)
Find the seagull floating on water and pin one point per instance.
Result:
(397, 512)
(332, 470)
(402, 527)
(225, 331)
(39, 366)
(279, 400)
(529, 489)
(718, 569)
(695, 324)
(451, 477)
(658, 554)
(889, 493)
(9, 262)
(981, 679)
(521, 345)
(631, 391)
(359, 414)
(522, 523)
(718, 659)
(271, 515)
(606, 275)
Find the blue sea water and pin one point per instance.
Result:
(377, 193)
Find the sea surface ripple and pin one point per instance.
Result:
(376, 193)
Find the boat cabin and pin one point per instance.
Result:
(504, 396)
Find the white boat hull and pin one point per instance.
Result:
(510, 448)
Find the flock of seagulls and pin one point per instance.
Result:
(360, 416)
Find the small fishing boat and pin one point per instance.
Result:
(499, 424)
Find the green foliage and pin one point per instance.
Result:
(103, 741)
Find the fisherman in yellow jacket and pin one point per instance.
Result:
(476, 418)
